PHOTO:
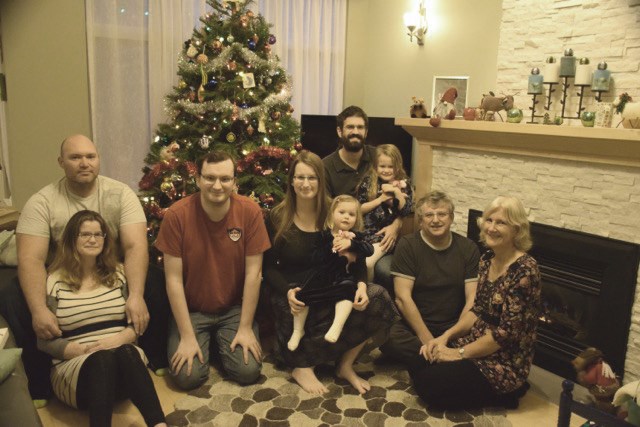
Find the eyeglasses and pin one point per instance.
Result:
(224, 180)
(302, 178)
(430, 215)
(87, 235)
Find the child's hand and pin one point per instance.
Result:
(295, 305)
(341, 244)
(361, 300)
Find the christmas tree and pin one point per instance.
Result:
(232, 95)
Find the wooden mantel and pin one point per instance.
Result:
(595, 145)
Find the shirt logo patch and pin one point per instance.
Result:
(234, 234)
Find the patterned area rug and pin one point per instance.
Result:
(276, 400)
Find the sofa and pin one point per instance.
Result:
(16, 406)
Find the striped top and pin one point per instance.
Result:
(83, 317)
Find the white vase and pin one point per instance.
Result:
(604, 114)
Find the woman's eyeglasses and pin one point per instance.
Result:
(86, 235)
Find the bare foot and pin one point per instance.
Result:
(306, 378)
(347, 373)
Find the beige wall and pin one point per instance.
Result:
(384, 70)
(45, 58)
(45, 61)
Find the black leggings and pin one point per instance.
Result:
(458, 385)
(110, 375)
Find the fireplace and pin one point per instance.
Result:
(588, 287)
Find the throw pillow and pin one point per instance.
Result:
(8, 359)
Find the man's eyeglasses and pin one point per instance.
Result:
(210, 179)
(87, 235)
(440, 215)
(301, 178)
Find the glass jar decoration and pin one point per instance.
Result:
(601, 78)
(535, 82)
(568, 64)
(588, 118)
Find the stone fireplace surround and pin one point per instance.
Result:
(583, 179)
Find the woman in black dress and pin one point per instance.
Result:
(295, 228)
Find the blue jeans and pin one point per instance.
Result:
(223, 327)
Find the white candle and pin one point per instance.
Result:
(551, 72)
(583, 73)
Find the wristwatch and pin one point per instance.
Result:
(461, 352)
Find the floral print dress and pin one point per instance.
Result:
(384, 214)
(509, 308)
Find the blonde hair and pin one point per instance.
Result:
(67, 259)
(282, 215)
(434, 198)
(393, 153)
(516, 216)
(345, 198)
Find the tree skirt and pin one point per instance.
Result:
(276, 400)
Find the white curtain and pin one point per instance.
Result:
(133, 48)
(311, 38)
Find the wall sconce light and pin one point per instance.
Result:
(416, 23)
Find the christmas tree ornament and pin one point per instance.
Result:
(176, 179)
(232, 65)
(257, 169)
(272, 39)
(290, 110)
(267, 49)
(268, 80)
(202, 59)
(191, 95)
(250, 14)
(244, 105)
(204, 142)
(275, 115)
(230, 39)
(231, 137)
(293, 152)
(255, 38)
(201, 93)
(211, 84)
(235, 113)
(298, 145)
(192, 51)
(166, 186)
(250, 130)
(251, 45)
(244, 21)
(182, 84)
(248, 81)
(262, 128)
(216, 45)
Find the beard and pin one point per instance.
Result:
(353, 146)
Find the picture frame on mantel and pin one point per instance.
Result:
(442, 83)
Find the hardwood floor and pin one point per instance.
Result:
(535, 410)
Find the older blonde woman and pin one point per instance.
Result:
(485, 358)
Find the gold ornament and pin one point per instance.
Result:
(250, 130)
(192, 51)
(182, 84)
(231, 137)
(202, 58)
(166, 186)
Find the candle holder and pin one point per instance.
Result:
(599, 94)
(549, 92)
(533, 109)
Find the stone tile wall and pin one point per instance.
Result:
(600, 30)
